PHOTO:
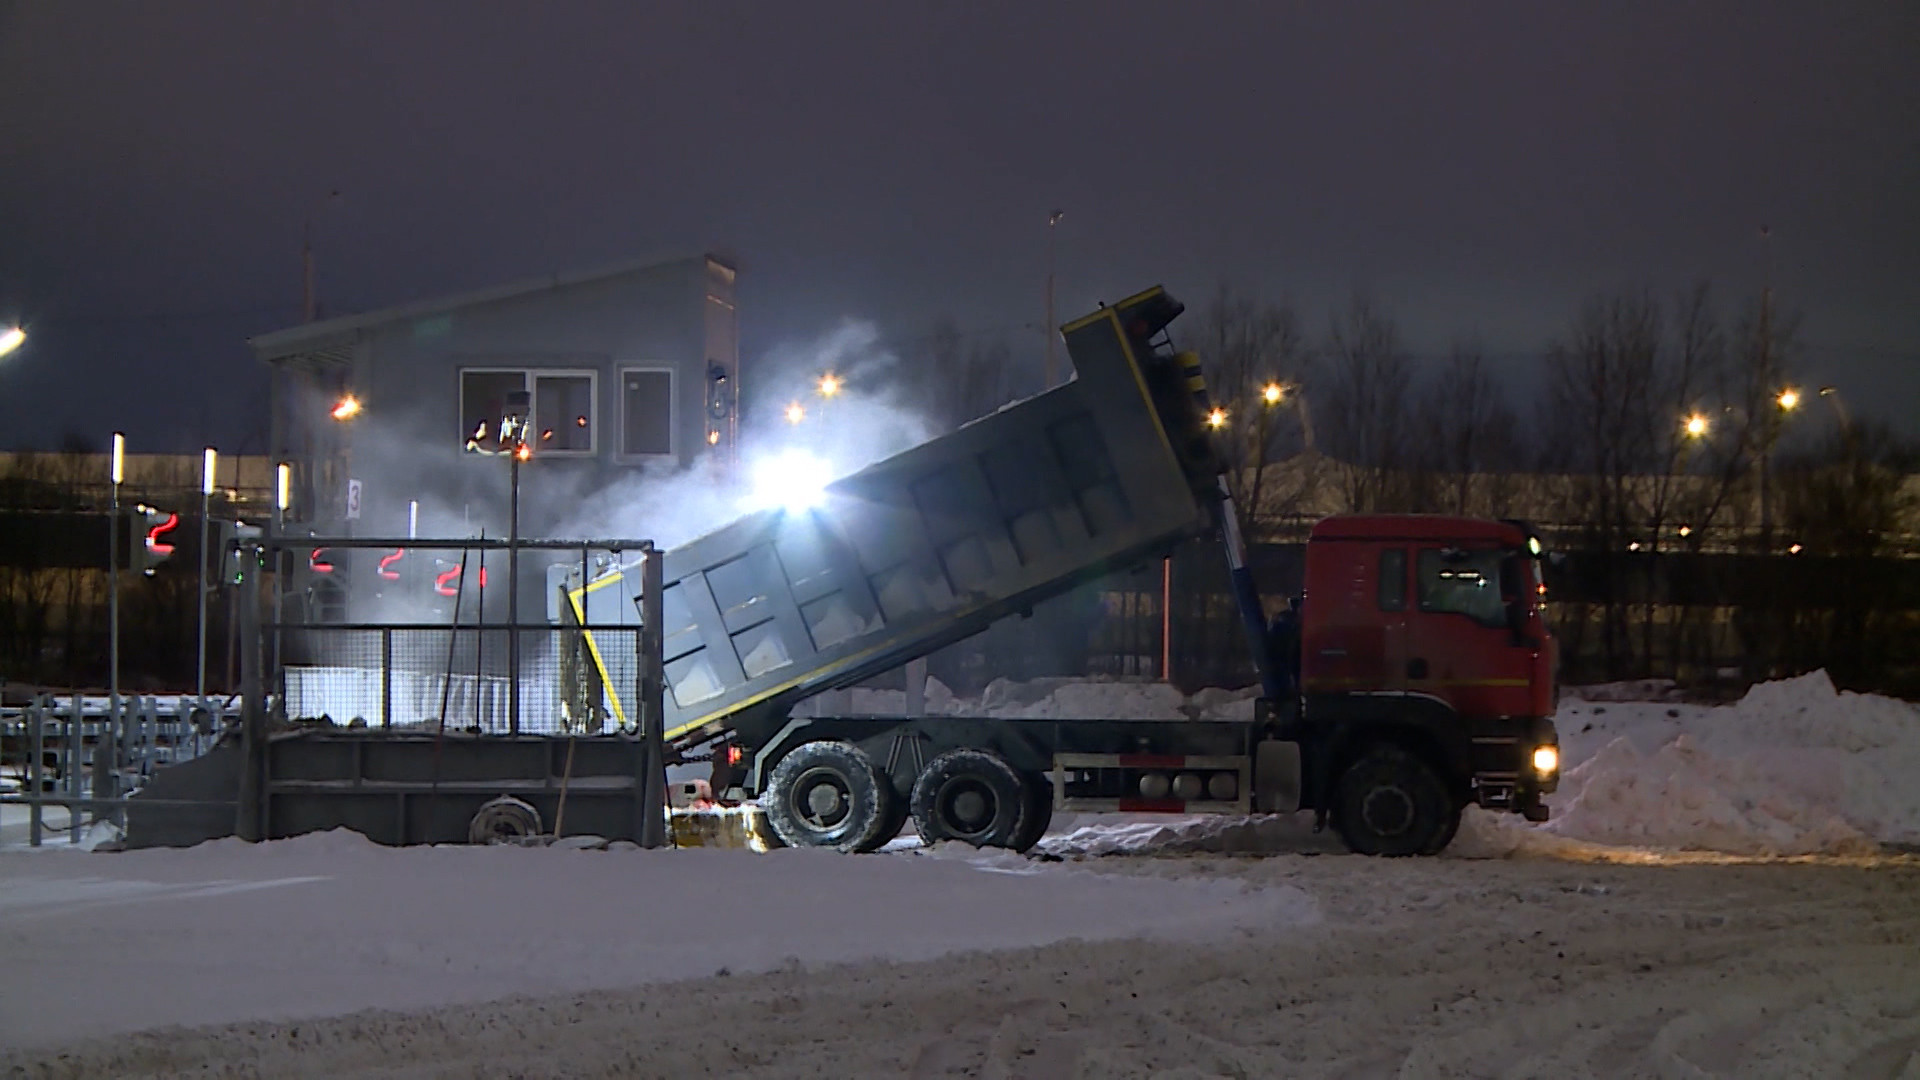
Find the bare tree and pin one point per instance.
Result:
(1468, 431)
(1255, 356)
(1368, 383)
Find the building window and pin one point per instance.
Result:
(1463, 583)
(646, 412)
(563, 412)
(561, 416)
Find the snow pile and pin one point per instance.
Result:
(1794, 767)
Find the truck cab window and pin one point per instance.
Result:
(1393, 579)
(1462, 582)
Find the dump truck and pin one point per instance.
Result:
(1415, 676)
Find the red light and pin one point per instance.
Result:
(444, 584)
(157, 545)
(388, 561)
(317, 563)
(735, 755)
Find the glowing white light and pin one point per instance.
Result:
(11, 338)
(792, 479)
(210, 464)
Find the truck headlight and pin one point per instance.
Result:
(1546, 760)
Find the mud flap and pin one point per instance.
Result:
(1276, 776)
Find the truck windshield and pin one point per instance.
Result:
(1463, 582)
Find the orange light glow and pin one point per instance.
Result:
(1273, 392)
(346, 408)
(523, 452)
(713, 438)
(829, 384)
(1217, 418)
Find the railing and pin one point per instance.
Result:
(87, 754)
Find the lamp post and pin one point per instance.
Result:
(513, 435)
(117, 472)
(282, 500)
(1053, 220)
(207, 469)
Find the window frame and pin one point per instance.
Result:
(530, 377)
(673, 412)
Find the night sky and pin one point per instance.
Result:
(1479, 168)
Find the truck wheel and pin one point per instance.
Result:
(502, 821)
(1447, 833)
(1038, 811)
(827, 794)
(1390, 803)
(972, 796)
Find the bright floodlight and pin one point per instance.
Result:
(1697, 425)
(795, 413)
(829, 384)
(1273, 392)
(793, 479)
(11, 338)
(346, 408)
(1788, 398)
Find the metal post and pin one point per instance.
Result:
(653, 795)
(513, 594)
(75, 712)
(36, 767)
(114, 528)
(253, 724)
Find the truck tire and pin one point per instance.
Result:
(1038, 811)
(827, 793)
(1439, 843)
(1390, 802)
(503, 821)
(972, 796)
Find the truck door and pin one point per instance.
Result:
(1355, 622)
(1460, 644)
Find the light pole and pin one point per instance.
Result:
(513, 432)
(1053, 220)
(207, 470)
(117, 472)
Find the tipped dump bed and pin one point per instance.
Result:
(924, 548)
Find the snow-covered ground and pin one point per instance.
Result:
(1649, 929)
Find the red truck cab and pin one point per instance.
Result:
(1425, 634)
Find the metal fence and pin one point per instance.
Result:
(457, 635)
(85, 755)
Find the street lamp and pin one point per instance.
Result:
(1697, 426)
(1273, 393)
(1789, 399)
(208, 466)
(795, 413)
(346, 408)
(829, 384)
(11, 338)
(1217, 418)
